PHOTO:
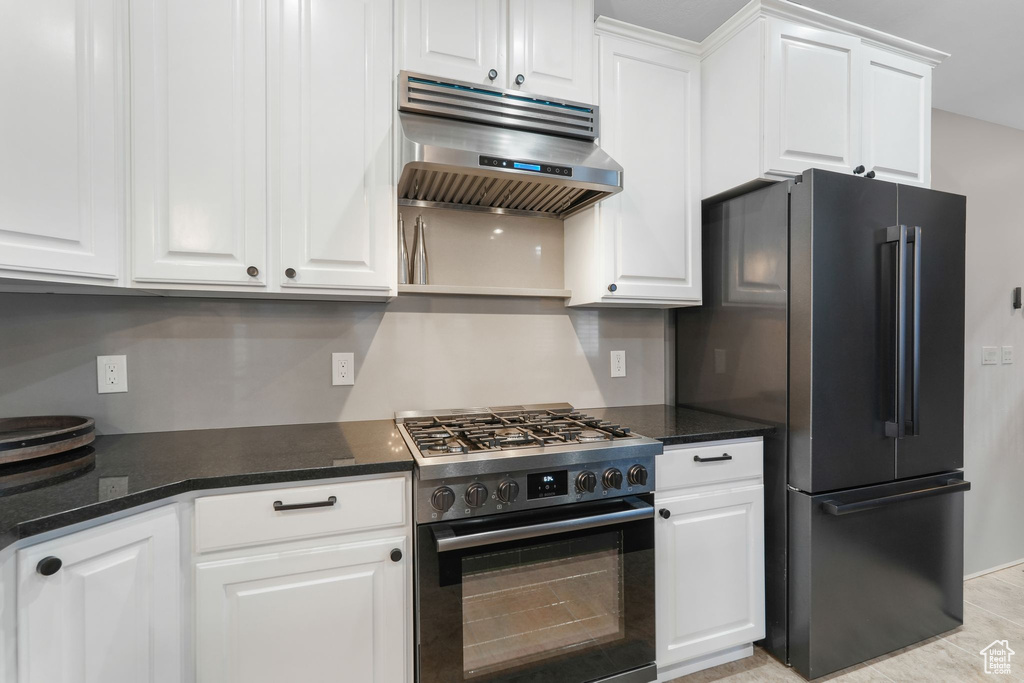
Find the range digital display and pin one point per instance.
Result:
(547, 484)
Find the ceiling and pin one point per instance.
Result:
(983, 78)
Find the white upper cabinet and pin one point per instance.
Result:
(552, 45)
(537, 46)
(199, 135)
(62, 71)
(459, 39)
(787, 88)
(337, 204)
(642, 245)
(897, 117)
(812, 114)
(111, 611)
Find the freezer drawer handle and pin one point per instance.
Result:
(833, 507)
(279, 506)
(720, 458)
(447, 540)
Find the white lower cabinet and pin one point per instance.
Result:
(307, 583)
(332, 612)
(709, 549)
(111, 613)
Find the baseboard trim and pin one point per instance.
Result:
(994, 569)
(690, 666)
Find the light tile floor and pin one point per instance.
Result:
(993, 610)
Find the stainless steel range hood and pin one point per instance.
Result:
(472, 147)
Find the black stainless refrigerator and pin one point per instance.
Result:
(834, 309)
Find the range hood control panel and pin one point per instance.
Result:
(535, 166)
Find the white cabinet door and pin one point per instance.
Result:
(552, 47)
(650, 123)
(318, 614)
(62, 67)
(812, 100)
(709, 576)
(111, 613)
(199, 109)
(459, 39)
(897, 117)
(337, 204)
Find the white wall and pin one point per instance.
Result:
(985, 162)
(195, 363)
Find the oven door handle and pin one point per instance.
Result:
(447, 540)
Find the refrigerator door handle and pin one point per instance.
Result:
(897, 427)
(836, 508)
(915, 414)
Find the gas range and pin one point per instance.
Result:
(483, 461)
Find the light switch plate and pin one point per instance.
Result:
(343, 369)
(1007, 355)
(618, 363)
(111, 374)
(990, 355)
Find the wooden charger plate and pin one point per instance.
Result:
(23, 438)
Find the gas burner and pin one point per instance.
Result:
(509, 434)
(455, 446)
(588, 435)
(432, 433)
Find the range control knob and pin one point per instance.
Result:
(612, 479)
(442, 499)
(586, 482)
(637, 475)
(508, 491)
(476, 495)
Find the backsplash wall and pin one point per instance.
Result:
(202, 363)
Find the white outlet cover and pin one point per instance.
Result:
(1007, 355)
(343, 369)
(111, 374)
(618, 368)
(990, 355)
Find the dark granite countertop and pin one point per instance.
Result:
(676, 425)
(133, 469)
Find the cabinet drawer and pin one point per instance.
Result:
(679, 466)
(240, 519)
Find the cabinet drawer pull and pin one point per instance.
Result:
(280, 507)
(252, 271)
(720, 458)
(48, 566)
(289, 273)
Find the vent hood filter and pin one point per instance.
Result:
(475, 148)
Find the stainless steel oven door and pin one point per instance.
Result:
(564, 594)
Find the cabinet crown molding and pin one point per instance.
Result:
(606, 26)
(783, 9)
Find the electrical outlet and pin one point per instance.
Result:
(1007, 355)
(618, 363)
(111, 374)
(989, 355)
(343, 369)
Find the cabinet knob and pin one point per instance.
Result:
(289, 272)
(396, 555)
(612, 287)
(253, 271)
(665, 514)
(869, 174)
(492, 74)
(48, 566)
(520, 78)
(858, 170)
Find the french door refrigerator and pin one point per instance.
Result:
(834, 309)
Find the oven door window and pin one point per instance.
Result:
(575, 606)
